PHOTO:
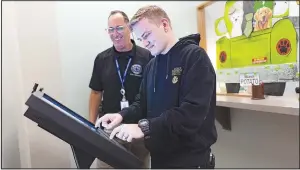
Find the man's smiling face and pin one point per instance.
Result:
(152, 35)
(118, 31)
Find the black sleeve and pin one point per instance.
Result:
(197, 90)
(96, 79)
(138, 109)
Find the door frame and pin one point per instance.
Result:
(201, 22)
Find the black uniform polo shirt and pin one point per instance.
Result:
(105, 76)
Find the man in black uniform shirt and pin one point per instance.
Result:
(117, 75)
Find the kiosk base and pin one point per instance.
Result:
(82, 159)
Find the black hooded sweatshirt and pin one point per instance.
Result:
(178, 97)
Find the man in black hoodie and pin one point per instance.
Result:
(175, 107)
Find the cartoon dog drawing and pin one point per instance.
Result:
(263, 18)
(236, 16)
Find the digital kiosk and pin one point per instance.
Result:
(86, 141)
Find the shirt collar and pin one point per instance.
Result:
(128, 54)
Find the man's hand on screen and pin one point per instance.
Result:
(109, 121)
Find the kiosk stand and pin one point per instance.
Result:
(86, 141)
(82, 159)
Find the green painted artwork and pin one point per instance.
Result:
(257, 33)
(249, 24)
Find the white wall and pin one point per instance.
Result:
(30, 55)
(1, 83)
(11, 88)
(54, 44)
(81, 31)
(257, 139)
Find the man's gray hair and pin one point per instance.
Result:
(126, 19)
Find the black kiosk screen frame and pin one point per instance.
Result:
(86, 141)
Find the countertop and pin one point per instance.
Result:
(274, 104)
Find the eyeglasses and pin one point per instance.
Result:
(119, 29)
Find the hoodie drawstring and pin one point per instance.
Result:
(168, 65)
(154, 75)
(155, 70)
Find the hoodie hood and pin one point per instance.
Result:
(190, 39)
(184, 41)
(187, 40)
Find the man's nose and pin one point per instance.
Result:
(114, 33)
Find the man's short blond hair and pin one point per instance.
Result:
(151, 12)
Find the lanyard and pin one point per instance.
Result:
(125, 72)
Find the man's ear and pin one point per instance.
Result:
(165, 23)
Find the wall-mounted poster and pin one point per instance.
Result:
(256, 34)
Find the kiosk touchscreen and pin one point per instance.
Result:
(86, 141)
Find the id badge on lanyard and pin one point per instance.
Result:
(123, 103)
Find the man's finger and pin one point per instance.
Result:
(104, 124)
(98, 122)
(114, 132)
(125, 136)
(129, 139)
(119, 135)
(112, 124)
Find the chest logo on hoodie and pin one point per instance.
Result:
(175, 73)
(175, 79)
